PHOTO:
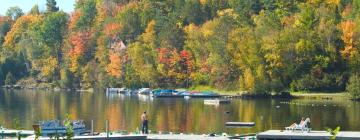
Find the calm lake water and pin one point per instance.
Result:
(175, 115)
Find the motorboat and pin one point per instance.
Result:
(55, 127)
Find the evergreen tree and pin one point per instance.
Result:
(34, 10)
(51, 6)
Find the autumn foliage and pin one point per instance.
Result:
(115, 66)
(20, 27)
(348, 36)
(78, 43)
(112, 29)
(256, 45)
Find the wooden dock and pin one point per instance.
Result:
(313, 135)
(100, 137)
(7, 132)
(153, 137)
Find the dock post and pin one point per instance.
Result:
(92, 127)
(107, 128)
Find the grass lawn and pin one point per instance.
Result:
(208, 88)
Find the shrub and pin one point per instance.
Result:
(353, 87)
(326, 83)
(10, 79)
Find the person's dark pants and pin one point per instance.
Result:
(144, 128)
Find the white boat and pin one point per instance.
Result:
(187, 97)
(145, 91)
(54, 127)
(216, 102)
(118, 90)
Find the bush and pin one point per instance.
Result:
(65, 78)
(353, 87)
(1, 76)
(10, 79)
(326, 83)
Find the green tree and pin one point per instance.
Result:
(14, 12)
(88, 11)
(69, 128)
(10, 79)
(51, 6)
(131, 22)
(1, 76)
(53, 31)
(66, 78)
(34, 10)
(193, 12)
(353, 87)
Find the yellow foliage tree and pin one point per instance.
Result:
(348, 36)
(247, 80)
(50, 64)
(20, 27)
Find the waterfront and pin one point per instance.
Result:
(176, 115)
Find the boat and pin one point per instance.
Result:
(54, 127)
(187, 97)
(164, 93)
(240, 124)
(216, 102)
(118, 90)
(144, 91)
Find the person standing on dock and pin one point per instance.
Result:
(144, 120)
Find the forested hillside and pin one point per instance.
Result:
(260, 46)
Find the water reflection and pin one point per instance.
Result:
(177, 115)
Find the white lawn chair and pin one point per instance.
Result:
(302, 126)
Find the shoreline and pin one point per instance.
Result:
(222, 93)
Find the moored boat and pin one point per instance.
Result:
(144, 91)
(55, 127)
(118, 90)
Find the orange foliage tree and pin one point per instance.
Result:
(78, 42)
(75, 16)
(114, 68)
(112, 29)
(348, 28)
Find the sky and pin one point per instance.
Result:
(25, 5)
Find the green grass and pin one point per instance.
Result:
(208, 88)
(302, 93)
(297, 94)
(320, 95)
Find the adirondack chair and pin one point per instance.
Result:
(302, 126)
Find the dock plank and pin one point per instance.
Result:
(279, 134)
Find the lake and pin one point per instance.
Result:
(174, 115)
